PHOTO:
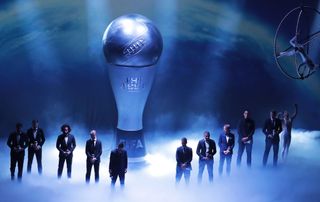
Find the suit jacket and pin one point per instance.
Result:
(118, 161)
(246, 128)
(40, 139)
(62, 146)
(201, 149)
(93, 151)
(13, 142)
(184, 155)
(224, 144)
(273, 128)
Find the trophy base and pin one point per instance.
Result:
(134, 144)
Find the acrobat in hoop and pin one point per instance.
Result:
(298, 48)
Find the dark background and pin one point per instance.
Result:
(217, 61)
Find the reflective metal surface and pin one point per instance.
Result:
(132, 40)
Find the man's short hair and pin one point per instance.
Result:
(226, 125)
(34, 121)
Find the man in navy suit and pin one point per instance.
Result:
(206, 149)
(18, 142)
(118, 164)
(184, 158)
(93, 152)
(226, 144)
(36, 141)
(66, 143)
(272, 128)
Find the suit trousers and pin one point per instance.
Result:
(31, 153)
(96, 166)
(271, 143)
(62, 159)
(224, 158)
(16, 157)
(202, 164)
(248, 147)
(182, 171)
(115, 175)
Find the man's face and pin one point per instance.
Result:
(245, 114)
(226, 129)
(184, 142)
(35, 125)
(65, 130)
(206, 136)
(93, 135)
(272, 115)
(19, 129)
(120, 149)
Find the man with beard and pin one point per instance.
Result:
(66, 143)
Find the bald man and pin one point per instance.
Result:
(93, 152)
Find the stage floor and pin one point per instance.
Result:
(297, 179)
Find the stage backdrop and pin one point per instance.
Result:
(217, 61)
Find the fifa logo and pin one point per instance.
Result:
(132, 84)
(132, 144)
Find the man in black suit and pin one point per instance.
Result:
(226, 144)
(118, 164)
(272, 128)
(184, 158)
(36, 141)
(18, 142)
(206, 149)
(66, 143)
(246, 128)
(93, 152)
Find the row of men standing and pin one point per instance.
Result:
(118, 163)
(206, 147)
(206, 150)
(66, 143)
(19, 141)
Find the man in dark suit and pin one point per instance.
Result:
(93, 152)
(226, 144)
(36, 141)
(18, 142)
(184, 158)
(66, 143)
(118, 164)
(206, 149)
(272, 128)
(246, 128)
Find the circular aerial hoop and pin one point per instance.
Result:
(299, 47)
